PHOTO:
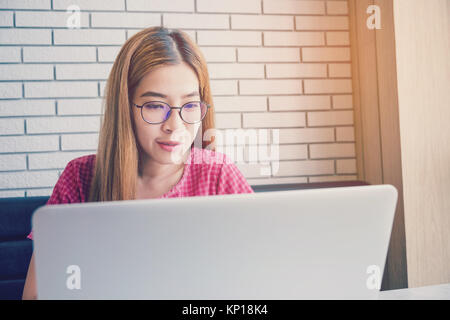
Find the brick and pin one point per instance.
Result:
(25, 36)
(293, 152)
(63, 124)
(252, 170)
(11, 126)
(343, 102)
(232, 38)
(229, 6)
(88, 5)
(29, 143)
(306, 167)
(274, 120)
(259, 22)
(55, 160)
(328, 86)
(242, 137)
(6, 19)
(228, 120)
(236, 70)
(59, 54)
(12, 162)
(330, 118)
(102, 88)
(26, 4)
(26, 72)
(89, 36)
(293, 7)
(161, 5)
(125, 20)
(340, 70)
(61, 89)
(285, 152)
(325, 54)
(266, 87)
(337, 7)
(321, 23)
(93, 71)
(332, 150)
(346, 166)
(79, 141)
(10, 54)
(10, 90)
(268, 55)
(345, 134)
(17, 108)
(286, 103)
(332, 178)
(79, 106)
(296, 70)
(108, 54)
(338, 38)
(219, 54)
(223, 87)
(28, 179)
(240, 104)
(238, 138)
(50, 19)
(286, 39)
(259, 153)
(196, 21)
(306, 135)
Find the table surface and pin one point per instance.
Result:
(436, 292)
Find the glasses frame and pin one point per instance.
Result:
(169, 113)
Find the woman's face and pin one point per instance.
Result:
(174, 85)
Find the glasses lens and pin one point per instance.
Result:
(155, 112)
(193, 112)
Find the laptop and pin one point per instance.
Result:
(301, 244)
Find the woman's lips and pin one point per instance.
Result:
(168, 145)
(169, 142)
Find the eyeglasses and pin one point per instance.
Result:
(155, 112)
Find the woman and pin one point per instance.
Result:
(157, 105)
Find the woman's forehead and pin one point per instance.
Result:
(170, 80)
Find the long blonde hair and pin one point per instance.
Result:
(117, 159)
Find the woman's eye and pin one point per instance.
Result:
(191, 105)
(154, 106)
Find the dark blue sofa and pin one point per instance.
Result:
(15, 225)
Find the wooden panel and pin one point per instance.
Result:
(390, 141)
(368, 136)
(356, 93)
(376, 120)
(423, 72)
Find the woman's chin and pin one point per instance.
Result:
(172, 155)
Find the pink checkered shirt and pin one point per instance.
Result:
(206, 173)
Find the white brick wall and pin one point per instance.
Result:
(281, 65)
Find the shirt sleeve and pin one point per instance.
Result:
(231, 180)
(65, 190)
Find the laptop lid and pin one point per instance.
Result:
(303, 244)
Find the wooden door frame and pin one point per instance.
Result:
(377, 126)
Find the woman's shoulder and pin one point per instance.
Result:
(83, 161)
(74, 182)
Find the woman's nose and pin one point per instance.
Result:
(174, 121)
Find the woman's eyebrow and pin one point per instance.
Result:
(157, 94)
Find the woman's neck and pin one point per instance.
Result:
(150, 170)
